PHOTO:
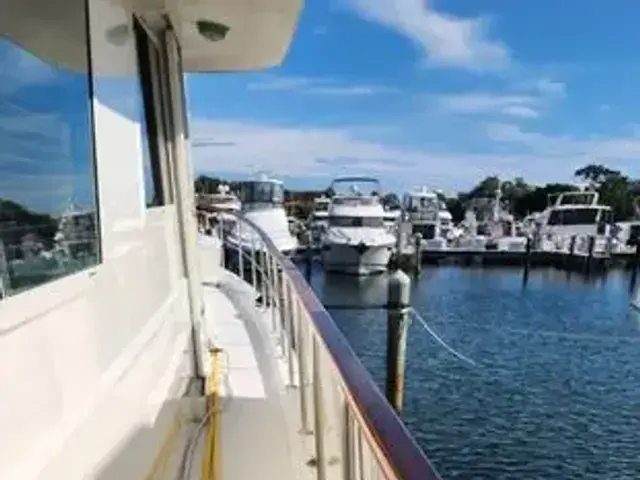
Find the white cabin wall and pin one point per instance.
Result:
(101, 350)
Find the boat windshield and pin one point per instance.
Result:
(577, 198)
(424, 203)
(261, 192)
(579, 216)
(356, 221)
(321, 207)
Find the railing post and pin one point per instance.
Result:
(221, 237)
(253, 265)
(399, 291)
(348, 463)
(318, 409)
(289, 330)
(264, 274)
(240, 259)
(301, 349)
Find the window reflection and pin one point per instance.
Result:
(47, 197)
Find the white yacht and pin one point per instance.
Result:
(357, 240)
(319, 218)
(225, 204)
(134, 354)
(425, 213)
(574, 214)
(263, 204)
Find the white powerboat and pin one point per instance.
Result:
(574, 214)
(263, 204)
(319, 219)
(426, 214)
(357, 240)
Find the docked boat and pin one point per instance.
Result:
(426, 214)
(357, 240)
(262, 201)
(224, 204)
(132, 353)
(319, 219)
(573, 218)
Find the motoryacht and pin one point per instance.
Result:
(262, 201)
(132, 353)
(425, 213)
(576, 215)
(319, 218)
(357, 240)
(224, 204)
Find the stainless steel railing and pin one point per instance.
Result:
(357, 434)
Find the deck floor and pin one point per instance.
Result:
(259, 437)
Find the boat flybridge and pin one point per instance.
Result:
(130, 352)
(357, 241)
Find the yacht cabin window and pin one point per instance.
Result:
(153, 120)
(48, 207)
(340, 221)
(579, 216)
(261, 192)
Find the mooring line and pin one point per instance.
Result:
(451, 350)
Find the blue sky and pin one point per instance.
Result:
(439, 93)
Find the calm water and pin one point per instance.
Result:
(555, 393)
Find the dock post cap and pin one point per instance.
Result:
(399, 290)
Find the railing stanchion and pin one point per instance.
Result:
(347, 445)
(240, 258)
(264, 273)
(221, 237)
(254, 282)
(289, 330)
(301, 349)
(318, 413)
(274, 313)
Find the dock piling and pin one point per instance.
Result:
(399, 300)
(417, 242)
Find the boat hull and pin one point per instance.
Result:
(356, 259)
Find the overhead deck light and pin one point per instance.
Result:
(212, 31)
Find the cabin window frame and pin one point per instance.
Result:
(151, 63)
(19, 309)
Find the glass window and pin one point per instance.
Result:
(261, 192)
(152, 123)
(582, 216)
(48, 220)
(356, 221)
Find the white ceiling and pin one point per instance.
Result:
(259, 36)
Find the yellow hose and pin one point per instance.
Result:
(211, 460)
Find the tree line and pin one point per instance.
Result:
(520, 198)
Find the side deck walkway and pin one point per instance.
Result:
(258, 434)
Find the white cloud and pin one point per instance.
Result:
(523, 106)
(545, 86)
(322, 153)
(447, 40)
(520, 111)
(317, 86)
(617, 152)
